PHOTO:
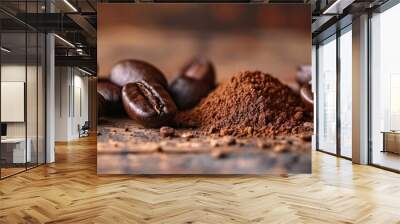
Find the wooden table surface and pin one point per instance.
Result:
(126, 148)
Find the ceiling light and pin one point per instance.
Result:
(84, 71)
(64, 40)
(70, 5)
(337, 7)
(79, 51)
(5, 50)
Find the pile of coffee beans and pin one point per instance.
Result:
(142, 91)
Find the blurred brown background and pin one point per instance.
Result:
(271, 38)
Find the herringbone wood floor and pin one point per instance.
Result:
(69, 191)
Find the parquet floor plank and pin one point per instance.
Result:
(70, 191)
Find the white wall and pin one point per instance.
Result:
(12, 73)
(80, 103)
(62, 81)
(71, 103)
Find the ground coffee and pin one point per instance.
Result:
(250, 104)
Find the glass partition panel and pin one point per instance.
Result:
(41, 98)
(385, 89)
(23, 90)
(15, 151)
(32, 98)
(326, 99)
(346, 92)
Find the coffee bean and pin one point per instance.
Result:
(148, 103)
(112, 96)
(306, 138)
(167, 132)
(101, 105)
(187, 92)
(303, 75)
(214, 143)
(152, 147)
(212, 130)
(295, 86)
(249, 130)
(298, 116)
(200, 69)
(308, 125)
(225, 131)
(195, 81)
(263, 145)
(219, 154)
(187, 135)
(281, 148)
(128, 71)
(109, 91)
(229, 140)
(307, 97)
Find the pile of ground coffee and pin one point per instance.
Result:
(250, 104)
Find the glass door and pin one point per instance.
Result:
(326, 97)
(385, 89)
(32, 98)
(345, 93)
(14, 153)
(22, 101)
(41, 96)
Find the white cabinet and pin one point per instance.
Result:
(19, 155)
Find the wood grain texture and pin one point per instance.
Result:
(123, 147)
(70, 191)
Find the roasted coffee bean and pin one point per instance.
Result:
(101, 105)
(112, 96)
(306, 138)
(187, 92)
(307, 97)
(303, 75)
(200, 69)
(294, 86)
(187, 135)
(128, 71)
(195, 81)
(167, 132)
(229, 140)
(109, 91)
(281, 148)
(219, 154)
(148, 103)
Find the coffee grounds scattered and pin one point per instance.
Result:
(250, 104)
